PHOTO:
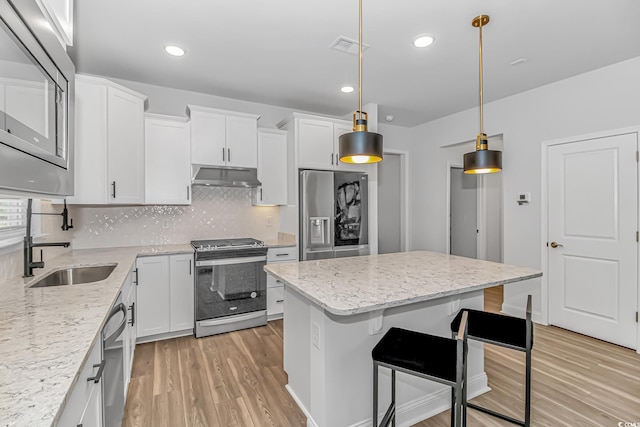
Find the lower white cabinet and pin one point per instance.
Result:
(130, 332)
(275, 287)
(164, 294)
(84, 406)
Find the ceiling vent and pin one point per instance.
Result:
(347, 45)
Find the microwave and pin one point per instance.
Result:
(36, 104)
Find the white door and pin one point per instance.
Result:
(593, 219)
(272, 167)
(182, 299)
(315, 144)
(390, 204)
(153, 296)
(208, 139)
(242, 142)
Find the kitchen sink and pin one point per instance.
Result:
(75, 276)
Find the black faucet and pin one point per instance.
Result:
(29, 263)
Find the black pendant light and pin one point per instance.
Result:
(360, 146)
(482, 160)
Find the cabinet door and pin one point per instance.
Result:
(92, 414)
(90, 144)
(125, 147)
(182, 299)
(129, 336)
(315, 144)
(167, 162)
(242, 137)
(153, 293)
(275, 302)
(208, 138)
(272, 168)
(341, 129)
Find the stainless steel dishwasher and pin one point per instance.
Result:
(113, 359)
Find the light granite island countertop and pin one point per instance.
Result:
(46, 333)
(336, 310)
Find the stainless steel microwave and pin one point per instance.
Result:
(36, 104)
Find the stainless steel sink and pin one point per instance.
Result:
(75, 276)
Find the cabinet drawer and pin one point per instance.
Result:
(282, 254)
(275, 300)
(273, 282)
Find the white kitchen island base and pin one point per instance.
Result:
(328, 360)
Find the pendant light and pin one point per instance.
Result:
(482, 160)
(360, 146)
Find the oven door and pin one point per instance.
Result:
(226, 287)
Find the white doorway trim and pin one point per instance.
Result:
(404, 205)
(544, 206)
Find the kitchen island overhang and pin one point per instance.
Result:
(336, 310)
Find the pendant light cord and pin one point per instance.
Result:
(481, 97)
(360, 66)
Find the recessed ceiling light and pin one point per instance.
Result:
(347, 89)
(174, 50)
(423, 41)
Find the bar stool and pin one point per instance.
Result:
(504, 331)
(427, 356)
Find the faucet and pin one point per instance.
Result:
(28, 245)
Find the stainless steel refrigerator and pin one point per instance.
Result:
(334, 210)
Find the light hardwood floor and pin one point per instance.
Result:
(236, 379)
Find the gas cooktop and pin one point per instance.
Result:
(226, 244)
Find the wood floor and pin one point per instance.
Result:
(236, 379)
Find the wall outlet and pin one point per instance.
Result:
(315, 335)
(165, 224)
(268, 221)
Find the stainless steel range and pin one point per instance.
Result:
(231, 285)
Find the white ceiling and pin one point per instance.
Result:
(276, 51)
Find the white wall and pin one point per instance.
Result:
(603, 99)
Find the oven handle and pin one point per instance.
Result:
(231, 319)
(229, 261)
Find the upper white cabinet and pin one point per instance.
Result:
(272, 168)
(223, 138)
(167, 167)
(59, 13)
(109, 143)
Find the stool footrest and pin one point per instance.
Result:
(495, 414)
(391, 412)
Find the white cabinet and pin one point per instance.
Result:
(167, 166)
(130, 334)
(318, 144)
(84, 403)
(275, 287)
(223, 138)
(272, 168)
(59, 13)
(181, 289)
(109, 143)
(165, 295)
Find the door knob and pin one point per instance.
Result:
(555, 245)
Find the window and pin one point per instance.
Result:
(13, 220)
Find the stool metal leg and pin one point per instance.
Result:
(375, 394)
(393, 396)
(527, 392)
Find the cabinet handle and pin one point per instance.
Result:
(337, 158)
(260, 194)
(188, 193)
(284, 254)
(113, 189)
(228, 154)
(98, 376)
(279, 300)
(137, 279)
(223, 154)
(132, 307)
(331, 159)
(189, 268)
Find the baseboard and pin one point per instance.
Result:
(165, 336)
(310, 421)
(417, 410)
(517, 311)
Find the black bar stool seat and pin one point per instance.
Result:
(504, 331)
(426, 356)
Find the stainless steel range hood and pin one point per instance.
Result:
(225, 177)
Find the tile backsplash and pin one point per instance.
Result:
(216, 212)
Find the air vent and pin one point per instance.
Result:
(347, 45)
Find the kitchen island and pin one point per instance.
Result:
(336, 310)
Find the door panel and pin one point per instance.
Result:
(593, 219)
(464, 214)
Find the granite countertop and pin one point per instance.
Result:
(46, 333)
(345, 286)
(284, 240)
